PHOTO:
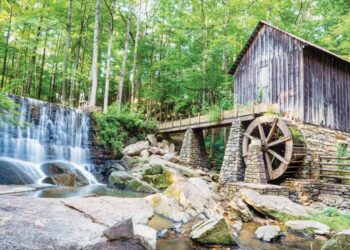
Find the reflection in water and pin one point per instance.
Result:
(97, 190)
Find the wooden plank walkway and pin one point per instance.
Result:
(243, 113)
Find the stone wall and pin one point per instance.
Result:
(255, 168)
(193, 149)
(232, 169)
(230, 189)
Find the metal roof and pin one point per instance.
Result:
(256, 31)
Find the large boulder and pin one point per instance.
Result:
(64, 174)
(125, 181)
(12, 173)
(168, 207)
(340, 241)
(195, 196)
(268, 233)
(277, 207)
(70, 223)
(241, 209)
(308, 227)
(135, 149)
(157, 177)
(134, 161)
(212, 231)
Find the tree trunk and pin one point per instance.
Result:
(66, 54)
(94, 66)
(109, 52)
(125, 56)
(38, 95)
(54, 69)
(3, 72)
(134, 64)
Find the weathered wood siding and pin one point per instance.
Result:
(284, 58)
(327, 90)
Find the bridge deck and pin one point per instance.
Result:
(243, 113)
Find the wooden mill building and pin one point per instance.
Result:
(310, 84)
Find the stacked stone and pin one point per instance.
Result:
(303, 191)
(193, 149)
(232, 188)
(335, 195)
(232, 169)
(255, 171)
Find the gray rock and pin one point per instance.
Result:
(340, 241)
(153, 140)
(123, 229)
(273, 206)
(308, 227)
(171, 157)
(172, 148)
(241, 209)
(135, 149)
(144, 153)
(268, 233)
(148, 234)
(212, 231)
(125, 181)
(122, 244)
(12, 174)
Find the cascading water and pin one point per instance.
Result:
(45, 133)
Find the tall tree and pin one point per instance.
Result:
(66, 53)
(109, 52)
(94, 66)
(133, 76)
(3, 72)
(125, 56)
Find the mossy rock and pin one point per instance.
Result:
(158, 181)
(212, 231)
(153, 170)
(125, 181)
(340, 241)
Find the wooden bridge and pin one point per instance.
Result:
(242, 113)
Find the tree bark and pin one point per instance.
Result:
(134, 64)
(3, 72)
(66, 54)
(94, 66)
(125, 56)
(38, 95)
(109, 52)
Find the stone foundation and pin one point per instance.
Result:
(193, 149)
(232, 169)
(255, 168)
(231, 188)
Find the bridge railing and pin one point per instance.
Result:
(225, 116)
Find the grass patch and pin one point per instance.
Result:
(334, 218)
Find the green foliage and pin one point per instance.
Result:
(218, 147)
(214, 113)
(342, 150)
(334, 218)
(296, 134)
(8, 109)
(121, 126)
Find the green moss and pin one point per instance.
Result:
(158, 181)
(124, 181)
(219, 235)
(153, 170)
(296, 134)
(334, 218)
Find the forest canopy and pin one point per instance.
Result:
(162, 57)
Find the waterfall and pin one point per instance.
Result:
(46, 132)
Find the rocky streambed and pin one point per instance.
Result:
(151, 200)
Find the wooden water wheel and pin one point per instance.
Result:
(283, 146)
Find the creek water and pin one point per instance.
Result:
(43, 133)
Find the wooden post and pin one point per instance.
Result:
(199, 118)
(172, 122)
(180, 121)
(252, 108)
(236, 111)
(189, 120)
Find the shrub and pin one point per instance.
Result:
(121, 126)
(214, 113)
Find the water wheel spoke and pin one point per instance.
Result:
(279, 157)
(249, 136)
(282, 140)
(268, 165)
(261, 132)
(272, 130)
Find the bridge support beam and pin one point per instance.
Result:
(232, 169)
(193, 149)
